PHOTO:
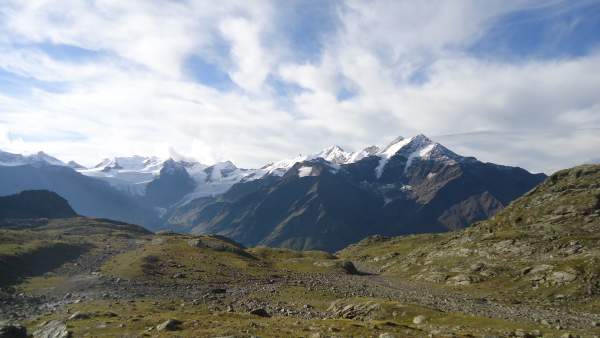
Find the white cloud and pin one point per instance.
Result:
(136, 98)
(251, 62)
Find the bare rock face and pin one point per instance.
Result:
(53, 329)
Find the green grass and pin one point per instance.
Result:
(140, 317)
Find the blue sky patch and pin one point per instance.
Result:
(550, 30)
(207, 73)
(305, 26)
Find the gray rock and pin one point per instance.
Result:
(477, 267)
(562, 277)
(53, 329)
(420, 319)
(386, 335)
(260, 312)
(79, 315)
(169, 325)
(461, 279)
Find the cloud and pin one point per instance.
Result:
(251, 63)
(371, 71)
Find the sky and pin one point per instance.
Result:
(510, 82)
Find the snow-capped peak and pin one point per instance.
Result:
(419, 146)
(10, 159)
(219, 170)
(130, 173)
(393, 147)
(135, 162)
(359, 155)
(333, 154)
(43, 157)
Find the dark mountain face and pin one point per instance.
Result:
(35, 204)
(326, 201)
(88, 196)
(170, 186)
(317, 205)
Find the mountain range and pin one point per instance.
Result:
(324, 200)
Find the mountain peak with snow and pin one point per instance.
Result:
(416, 147)
(334, 154)
(39, 158)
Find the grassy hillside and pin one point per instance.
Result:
(543, 248)
(32, 247)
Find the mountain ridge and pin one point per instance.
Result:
(411, 185)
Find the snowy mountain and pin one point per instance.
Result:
(9, 159)
(417, 147)
(134, 174)
(217, 179)
(332, 154)
(129, 174)
(331, 198)
(322, 200)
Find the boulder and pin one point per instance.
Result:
(260, 312)
(52, 329)
(169, 325)
(420, 319)
(562, 277)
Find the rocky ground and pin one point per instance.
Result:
(315, 301)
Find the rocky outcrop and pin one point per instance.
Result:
(52, 329)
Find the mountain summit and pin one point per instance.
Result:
(323, 200)
(333, 198)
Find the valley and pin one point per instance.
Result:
(529, 271)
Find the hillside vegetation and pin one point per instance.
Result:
(544, 248)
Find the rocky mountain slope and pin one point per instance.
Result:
(35, 204)
(410, 186)
(544, 248)
(324, 200)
